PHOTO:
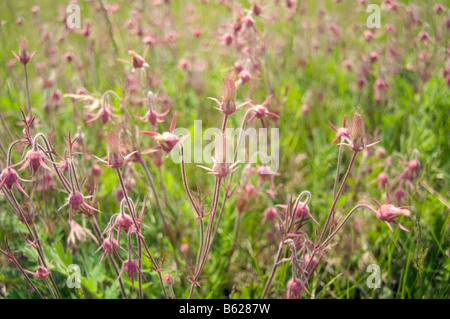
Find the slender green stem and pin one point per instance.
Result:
(28, 91)
(274, 269)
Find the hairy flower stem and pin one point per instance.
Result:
(319, 243)
(336, 182)
(285, 236)
(333, 206)
(28, 91)
(98, 234)
(330, 237)
(34, 238)
(236, 233)
(186, 187)
(274, 269)
(140, 239)
(11, 258)
(49, 154)
(205, 248)
(108, 21)
(155, 194)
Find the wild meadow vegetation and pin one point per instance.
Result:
(100, 196)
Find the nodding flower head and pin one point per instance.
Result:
(389, 213)
(302, 212)
(342, 132)
(220, 168)
(41, 272)
(311, 262)
(124, 222)
(109, 246)
(228, 103)
(438, 8)
(260, 111)
(130, 267)
(383, 179)
(166, 141)
(168, 279)
(76, 201)
(115, 159)
(35, 159)
(9, 177)
(79, 233)
(295, 288)
(153, 117)
(137, 61)
(270, 214)
(411, 170)
(105, 114)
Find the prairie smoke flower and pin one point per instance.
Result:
(130, 267)
(115, 159)
(153, 117)
(109, 246)
(355, 135)
(79, 233)
(389, 29)
(23, 56)
(105, 113)
(250, 190)
(137, 61)
(400, 194)
(269, 214)
(228, 103)
(35, 159)
(382, 179)
(438, 8)
(260, 111)
(423, 36)
(265, 173)
(307, 260)
(305, 109)
(373, 57)
(41, 272)
(184, 249)
(220, 168)
(166, 141)
(197, 31)
(76, 201)
(227, 39)
(168, 279)
(342, 132)
(9, 178)
(121, 221)
(368, 35)
(301, 212)
(295, 288)
(245, 76)
(412, 169)
(388, 213)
